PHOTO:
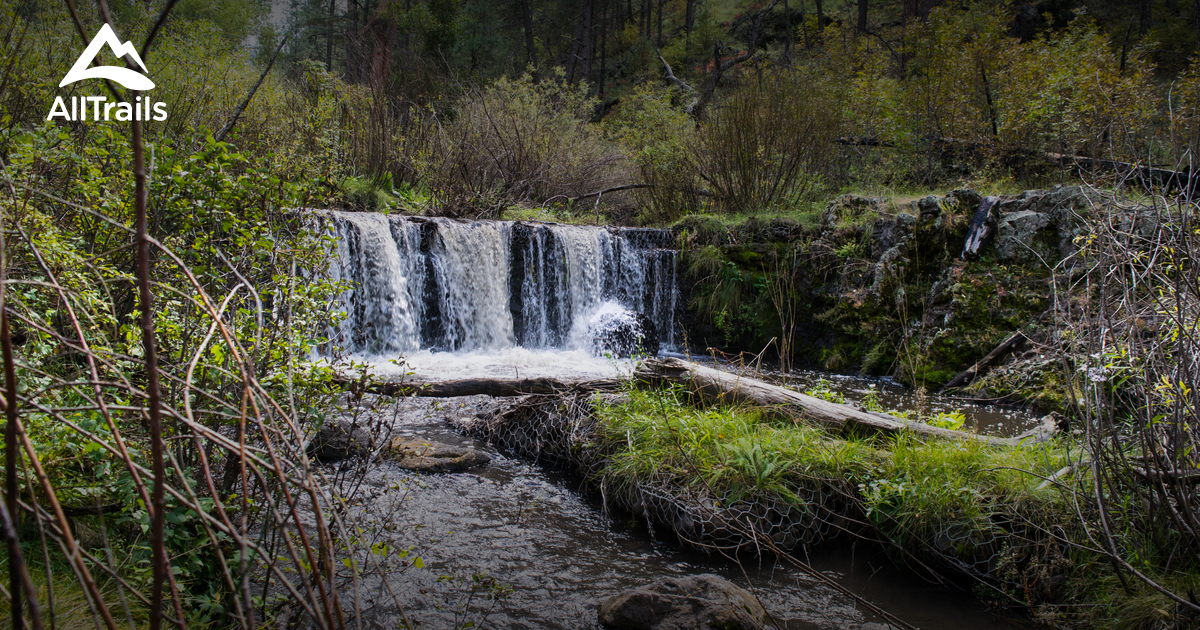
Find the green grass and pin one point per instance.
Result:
(909, 488)
(71, 607)
(554, 214)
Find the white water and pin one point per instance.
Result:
(491, 298)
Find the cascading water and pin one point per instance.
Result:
(483, 286)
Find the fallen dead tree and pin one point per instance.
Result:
(711, 385)
(717, 386)
(496, 387)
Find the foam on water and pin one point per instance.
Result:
(513, 362)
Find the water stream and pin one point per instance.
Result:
(556, 554)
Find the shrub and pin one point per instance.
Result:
(767, 145)
(518, 141)
(658, 135)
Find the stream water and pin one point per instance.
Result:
(554, 554)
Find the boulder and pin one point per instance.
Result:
(433, 457)
(339, 440)
(623, 333)
(697, 602)
(1023, 236)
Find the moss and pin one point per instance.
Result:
(746, 257)
(928, 318)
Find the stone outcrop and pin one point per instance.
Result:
(433, 457)
(919, 290)
(700, 602)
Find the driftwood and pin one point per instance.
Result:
(1063, 472)
(981, 365)
(711, 385)
(497, 387)
(717, 386)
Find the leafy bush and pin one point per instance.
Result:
(659, 136)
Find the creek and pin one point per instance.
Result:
(555, 552)
(513, 545)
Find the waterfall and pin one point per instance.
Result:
(450, 285)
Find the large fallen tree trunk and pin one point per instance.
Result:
(711, 385)
(717, 386)
(497, 387)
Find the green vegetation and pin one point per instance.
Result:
(950, 506)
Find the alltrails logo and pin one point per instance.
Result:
(101, 108)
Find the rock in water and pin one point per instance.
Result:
(339, 440)
(426, 456)
(622, 332)
(700, 602)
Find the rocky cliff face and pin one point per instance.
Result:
(920, 291)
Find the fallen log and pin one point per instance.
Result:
(496, 387)
(722, 387)
(709, 384)
(973, 371)
(1144, 174)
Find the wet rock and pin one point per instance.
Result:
(697, 602)
(622, 333)
(433, 457)
(339, 440)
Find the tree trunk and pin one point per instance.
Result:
(383, 32)
(787, 25)
(689, 19)
(498, 387)
(353, 43)
(527, 24)
(603, 48)
(722, 387)
(588, 46)
(804, 26)
(820, 16)
(659, 34)
(1144, 24)
(582, 44)
(862, 16)
(329, 39)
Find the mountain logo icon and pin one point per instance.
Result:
(131, 79)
